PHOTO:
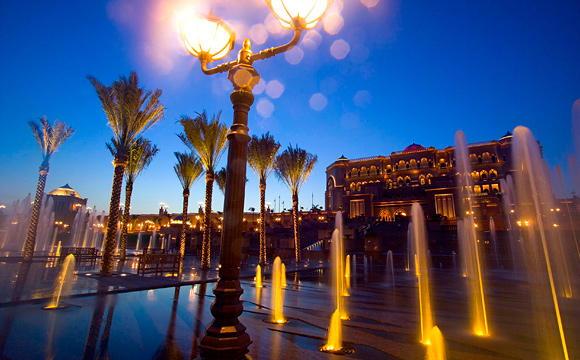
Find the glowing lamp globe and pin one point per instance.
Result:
(208, 37)
(306, 12)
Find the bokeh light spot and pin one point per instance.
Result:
(294, 56)
(272, 24)
(260, 87)
(369, 3)
(349, 121)
(258, 34)
(339, 49)
(311, 40)
(362, 98)
(333, 23)
(274, 89)
(318, 102)
(264, 107)
(329, 86)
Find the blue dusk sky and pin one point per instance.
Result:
(373, 77)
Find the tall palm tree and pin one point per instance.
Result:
(208, 139)
(131, 111)
(293, 167)
(141, 154)
(262, 158)
(49, 139)
(188, 169)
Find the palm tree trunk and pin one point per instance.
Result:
(263, 259)
(206, 245)
(31, 238)
(184, 218)
(123, 245)
(109, 252)
(296, 226)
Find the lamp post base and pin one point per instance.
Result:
(226, 337)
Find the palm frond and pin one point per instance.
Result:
(207, 138)
(188, 169)
(262, 155)
(220, 179)
(294, 166)
(130, 110)
(50, 138)
(141, 154)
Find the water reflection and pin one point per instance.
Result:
(198, 325)
(169, 349)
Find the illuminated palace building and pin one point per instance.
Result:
(385, 187)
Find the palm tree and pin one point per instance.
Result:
(131, 111)
(261, 158)
(49, 139)
(208, 139)
(220, 179)
(188, 169)
(141, 154)
(293, 167)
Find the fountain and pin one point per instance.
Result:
(258, 280)
(277, 299)
(365, 265)
(63, 283)
(437, 349)
(560, 190)
(410, 249)
(494, 241)
(422, 272)
(346, 276)
(283, 275)
(57, 254)
(545, 261)
(334, 343)
(469, 245)
(390, 268)
(508, 200)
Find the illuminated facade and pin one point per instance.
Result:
(66, 202)
(385, 187)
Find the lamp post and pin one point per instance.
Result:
(209, 38)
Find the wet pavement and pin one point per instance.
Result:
(167, 322)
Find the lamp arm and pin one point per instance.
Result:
(218, 69)
(268, 53)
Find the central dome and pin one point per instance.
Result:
(413, 147)
(65, 190)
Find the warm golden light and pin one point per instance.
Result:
(207, 37)
(307, 12)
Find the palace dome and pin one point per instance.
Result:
(65, 190)
(414, 147)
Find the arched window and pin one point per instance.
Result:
(479, 160)
(429, 177)
(388, 171)
(407, 166)
(400, 182)
(389, 184)
(493, 158)
(475, 176)
(397, 167)
(430, 163)
(422, 180)
(483, 175)
(493, 175)
(408, 181)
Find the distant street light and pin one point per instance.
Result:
(209, 38)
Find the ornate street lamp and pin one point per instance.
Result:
(209, 38)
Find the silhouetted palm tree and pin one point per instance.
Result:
(293, 167)
(49, 139)
(131, 111)
(261, 158)
(141, 154)
(208, 139)
(188, 169)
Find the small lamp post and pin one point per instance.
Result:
(209, 38)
